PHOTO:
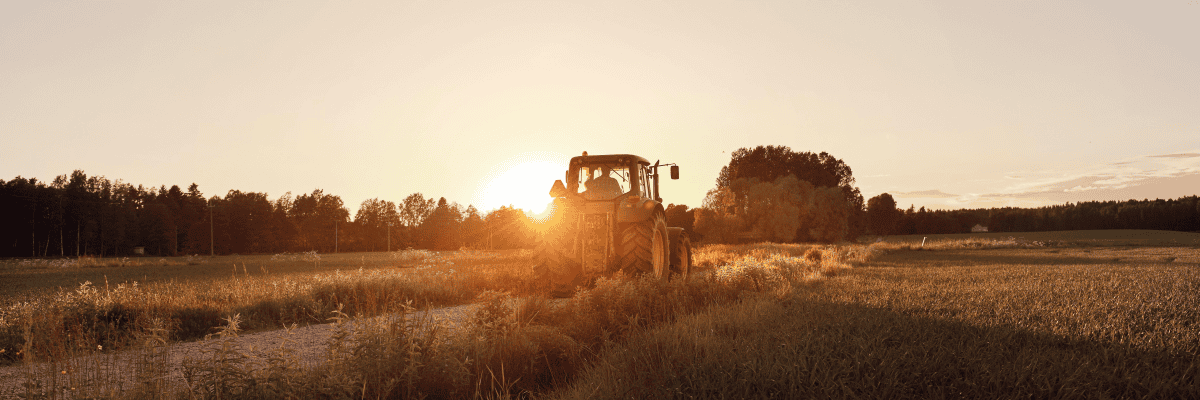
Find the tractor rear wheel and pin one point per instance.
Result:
(554, 265)
(644, 247)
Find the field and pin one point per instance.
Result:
(1091, 238)
(109, 302)
(1068, 314)
(1036, 322)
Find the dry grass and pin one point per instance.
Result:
(951, 323)
(517, 344)
(114, 315)
(973, 318)
(1084, 238)
(520, 346)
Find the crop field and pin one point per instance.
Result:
(109, 302)
(991, 315)
(1086, 238)
(968, 318)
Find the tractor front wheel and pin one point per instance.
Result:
(681, 254)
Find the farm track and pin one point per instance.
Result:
(309, 342)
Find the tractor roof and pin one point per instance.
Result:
(608, 158)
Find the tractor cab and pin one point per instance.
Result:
(610, 177)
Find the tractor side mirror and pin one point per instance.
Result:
(674, 172)
(558, 190)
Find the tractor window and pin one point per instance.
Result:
(594, 185)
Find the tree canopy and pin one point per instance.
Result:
(775, 193)
(882, 214)
(785, 210)
(768, 163)
(77, 214)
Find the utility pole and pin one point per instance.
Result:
(389, 247)
(211, 250)
(33, 231)
(335, 238)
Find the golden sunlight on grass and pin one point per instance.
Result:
(968, 317)
(1019, 322)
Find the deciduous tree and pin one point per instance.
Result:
(882, 214)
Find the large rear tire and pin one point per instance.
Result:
(554, 267)
(681, 254)
(644, 247)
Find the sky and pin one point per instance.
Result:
(943, 104)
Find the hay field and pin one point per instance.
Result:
(1016, 320)
(24, 277)
(960, 317)
(112, 302)
(1114, 237)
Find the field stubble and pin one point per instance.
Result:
(963, 317)
(1006, 318)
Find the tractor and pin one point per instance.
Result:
(609, 217)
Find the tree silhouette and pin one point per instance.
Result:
(474, 231)
(882, 214)
(678, 215)
(508, 228)
(374, 218)
(784, 210)
(318, 216)
(442, 229)
(768, 163)
(76, 214)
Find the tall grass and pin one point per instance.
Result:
(998, 323)
(769, 320)
(517, 346)
(517, 343)
(111, 315)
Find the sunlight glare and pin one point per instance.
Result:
(525, 185)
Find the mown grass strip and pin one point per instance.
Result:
(897, 328)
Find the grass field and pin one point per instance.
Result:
(1116, 237)
(1025, 321)
(110, 302)
(1078, 315)
(24, 277)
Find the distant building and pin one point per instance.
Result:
(979, 228)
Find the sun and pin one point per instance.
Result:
(523, 182)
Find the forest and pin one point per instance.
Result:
(1181, 214)
(765, 193)
(76, 215)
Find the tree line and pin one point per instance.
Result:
(776, 194)
(76, 215)
(766, 193)
(1182, 214)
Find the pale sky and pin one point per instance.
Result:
(942, 104)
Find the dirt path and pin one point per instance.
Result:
(105, 370)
